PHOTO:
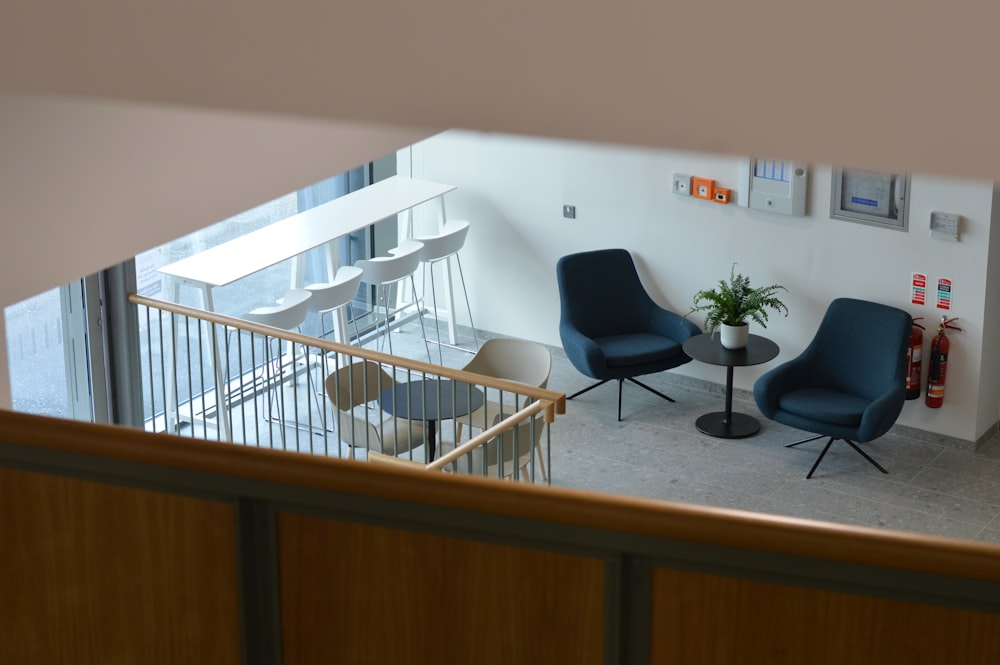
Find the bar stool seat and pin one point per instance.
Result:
(333, 298)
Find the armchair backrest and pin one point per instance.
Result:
(601, 293)
(860, 347)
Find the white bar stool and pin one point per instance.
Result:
(333, 298)
(288, 314)
(443, 247)
(385, 271)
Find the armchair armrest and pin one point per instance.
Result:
(672, 325)
(582, 351)
(882, 413)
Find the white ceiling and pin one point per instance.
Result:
(146, 121)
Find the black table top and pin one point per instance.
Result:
(431, 399)
(708, 349)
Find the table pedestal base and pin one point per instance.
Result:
(738, 425)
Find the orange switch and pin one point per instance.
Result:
(720, 194)
(702, 188)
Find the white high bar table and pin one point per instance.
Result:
(291, 238)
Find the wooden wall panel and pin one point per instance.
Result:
(354, 593)
(95, 573)
(702, 619)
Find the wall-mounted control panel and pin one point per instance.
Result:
(774, 185)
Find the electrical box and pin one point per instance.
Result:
(944, 225)
(774, 185)
(870, 197)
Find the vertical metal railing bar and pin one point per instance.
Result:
(277, 387)
(221, 390)
(349, 421)
(174, 327)
(201, 386)
(548, 453)
(256, 404)
(149, 355)
(187, 348)
(322, 363)
(295, 392)
(163, 371)
(242, 389)
(423, 400)
(310, 397)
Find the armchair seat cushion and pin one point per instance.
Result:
(824, 405)
(637, 349)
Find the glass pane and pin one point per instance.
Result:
(37, 356)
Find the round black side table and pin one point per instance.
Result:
(707, 348)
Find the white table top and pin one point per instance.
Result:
(295, 235)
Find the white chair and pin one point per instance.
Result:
(333, 298)
(386, 271)
(288, 314)
(351, 390)
(518, 360)
(441, 248)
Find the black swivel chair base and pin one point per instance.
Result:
(620, 382)
(827, 447)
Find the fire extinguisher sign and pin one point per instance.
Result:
(944, 294)
(918, 286)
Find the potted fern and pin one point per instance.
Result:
(731, 306)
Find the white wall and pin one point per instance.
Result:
(513, 189)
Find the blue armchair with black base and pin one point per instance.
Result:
(609, 325)
(848, 384)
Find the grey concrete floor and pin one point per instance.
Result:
(657, 452)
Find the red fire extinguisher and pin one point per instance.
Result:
(939, 364)
(914, 354)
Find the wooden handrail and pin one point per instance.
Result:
(628, 515)
(555, 401)
(487, 434)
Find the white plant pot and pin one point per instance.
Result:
(734, 337)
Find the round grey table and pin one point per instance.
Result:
(431, 400)
(707, 348)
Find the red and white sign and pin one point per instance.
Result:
(918, 286)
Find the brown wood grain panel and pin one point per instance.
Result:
(703, 619)
(622, 514)
(354, 593)
(96, 573)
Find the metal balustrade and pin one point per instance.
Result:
(215, 377)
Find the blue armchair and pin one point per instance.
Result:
(849, 383)
(609, 325)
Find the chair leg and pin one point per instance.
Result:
(820, 458)
(655, 392)
(827, 447)
(865, 455)
(588, 388)
(420, 317)
(541, 462)
(805, 440)
(437, 322)
(620, 383)
(468, 305)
